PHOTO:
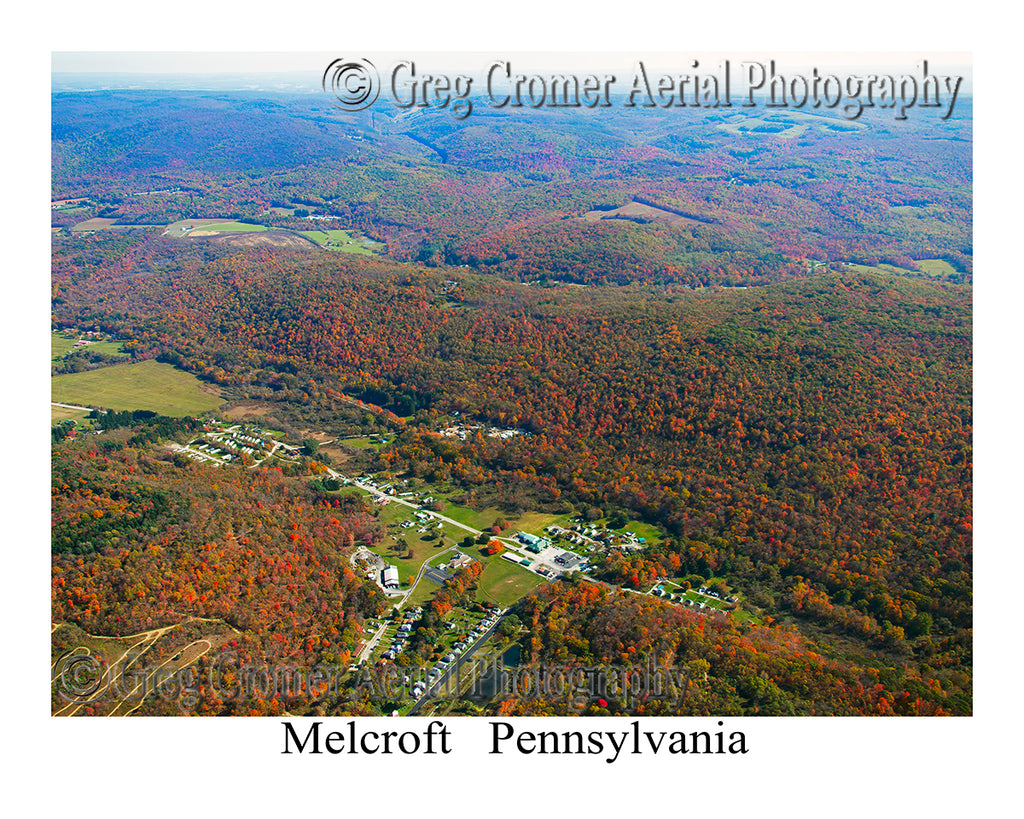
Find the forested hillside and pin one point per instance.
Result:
(760, 346)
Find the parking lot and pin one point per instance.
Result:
(559, 561)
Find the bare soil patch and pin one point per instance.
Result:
(94, 224)
(273, 238)
(242, 412)
(634, 210)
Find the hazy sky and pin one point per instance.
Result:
(171, 62)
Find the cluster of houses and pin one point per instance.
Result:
(61, 204)
(404, 630)
(423, 519)
(224, 444)
(458, 648)
(462, 432)
(239, 442)
(731, 599)
(86, 337)
(583, 535)
(697, 605)
(575, 535)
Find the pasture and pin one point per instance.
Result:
(149, 385)
(635, 210)
(341, 242)
(937, 269)
(58, 414)
(61, 345)
(503, 583)
(228, 227)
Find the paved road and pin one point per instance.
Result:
(511, 545)
(374, 491)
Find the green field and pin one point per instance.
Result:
(65, 414)
(148, 385)
(937, 268)
(233, 227)
(111, 348)
(422, 594)
(366, 441)
(60, 346)
(422, 552)
(644, 530)
(478, 520)
(342, 242)
(932, 268)
(503, 582)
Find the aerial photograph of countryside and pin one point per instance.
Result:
(513, 387)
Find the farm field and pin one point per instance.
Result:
(933, 268)
(60, 346)
(342, 242)
(58, 414)
(936, 267)
(633, 210)
(149, 385)
(367, 441)
(96, 223)
(183, 226)
(503, 582)
(229, 227)
(787, 124)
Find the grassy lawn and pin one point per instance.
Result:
(933, 268)
(534, 522)
(478, 520)
(936, 268)
(503, 582)
(239, 227)
(64, 414)
(408, 568)
(342, 242)
(60, 346)
(366, 441)
(110, 348)
(149, 385)
(422, 594)
(644, 530)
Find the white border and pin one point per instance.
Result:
(835, 766)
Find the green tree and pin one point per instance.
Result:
(510, 626)
(921, 625)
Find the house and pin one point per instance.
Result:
(459, 561)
